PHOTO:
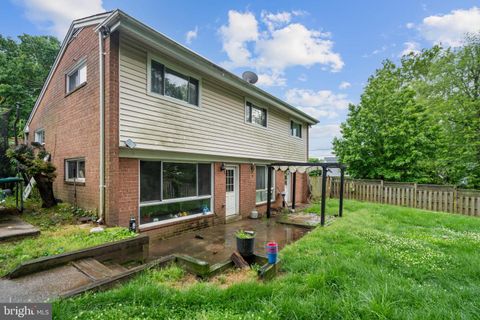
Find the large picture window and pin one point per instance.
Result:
(171, 83)
(261, 184)
(170, 190)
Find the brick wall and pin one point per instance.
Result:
(126, 193)
(71, 122)
(114, 180)
(219, 193)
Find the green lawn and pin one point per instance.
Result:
(377, 262)
(59, 233)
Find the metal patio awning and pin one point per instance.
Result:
(302, 167)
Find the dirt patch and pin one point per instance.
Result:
(234, 276)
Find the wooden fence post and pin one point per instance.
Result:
(415, 195)
(382, 192)
(455, 200)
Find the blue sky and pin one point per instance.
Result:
(317, 55)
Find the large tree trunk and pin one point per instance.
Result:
(45, 188)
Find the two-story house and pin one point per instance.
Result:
(140, 126)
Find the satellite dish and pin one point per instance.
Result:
(250, 77)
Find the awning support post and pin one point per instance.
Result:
(342, 182)
(293, 189)
(269, 189)
(324, 194)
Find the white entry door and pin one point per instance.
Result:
(288, 186)
(231, 184)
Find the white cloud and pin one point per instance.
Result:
(410, 25)
(344, 85)
(282, 44)
(319, 104)
(410, 47)
(272, 79)
(450, 29)
(296, 45)
(241, 28)
(191, 35)
(55, 16)
(321, 137)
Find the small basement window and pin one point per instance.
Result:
(171, 83)
(295, 129)
(77, 77)
(40, 136)
(255, 114)
(75, 170)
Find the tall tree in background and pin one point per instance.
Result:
(419, 121)
(24, 65)
(386, 136)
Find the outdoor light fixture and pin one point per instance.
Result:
(222, 166)
(252, 167)
(130, 144)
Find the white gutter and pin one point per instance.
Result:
(101, 59)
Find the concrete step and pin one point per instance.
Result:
(94, 269)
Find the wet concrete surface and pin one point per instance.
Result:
(12, 227)
(216, 244)
(42, 286)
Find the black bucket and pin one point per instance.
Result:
(245, 246)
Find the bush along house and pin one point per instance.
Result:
(140, 126)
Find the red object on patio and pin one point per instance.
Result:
(272, 247)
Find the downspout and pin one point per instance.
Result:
(101, 60)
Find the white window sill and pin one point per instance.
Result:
(79, 180)
(168, 221)
(173, 100)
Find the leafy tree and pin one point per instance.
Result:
(24, 67)
(419, 121)
(387, 135)
(31, 160)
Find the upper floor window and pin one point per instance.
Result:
(75, 170)
(77, 77)
(295, 129)
(171, 83)
(255, 114)
(40, 136)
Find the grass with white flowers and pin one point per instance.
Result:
(377, 262)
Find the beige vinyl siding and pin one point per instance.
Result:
(217, 127)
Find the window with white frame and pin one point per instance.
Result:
(75, 170)
(77, 77)
(255, 114)
(171, 83)
(295, 129)
(170, 190)
(40, 136)
(261, 184)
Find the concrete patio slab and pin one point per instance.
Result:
(216, 244)
(308, 220)
(12, 228)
